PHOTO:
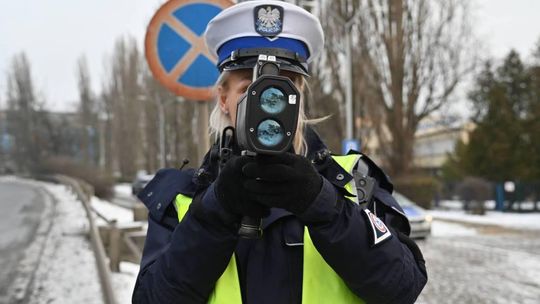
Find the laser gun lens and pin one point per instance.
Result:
(273, 101)
(270, 133)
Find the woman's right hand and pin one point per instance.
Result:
(230, 191)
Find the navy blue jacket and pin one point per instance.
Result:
(182, 261)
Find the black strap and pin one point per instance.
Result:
(248, 57)
(278, 52)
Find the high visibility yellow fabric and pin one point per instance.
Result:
(227, 290)
(348, 162)
(182, 203)
(320, 284)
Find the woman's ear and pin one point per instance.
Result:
(222, 99)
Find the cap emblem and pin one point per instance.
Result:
(268, 20)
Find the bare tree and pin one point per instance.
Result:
(87, 109)
(122, 97)
(177, 126)
(142, 121)
(408, 58)
(328, 84)
(22, 113)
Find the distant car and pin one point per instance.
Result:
(140, 182)
(418, 217)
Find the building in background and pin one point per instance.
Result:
(7, 165)
(435, 139)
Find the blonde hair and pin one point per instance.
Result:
(219, 120)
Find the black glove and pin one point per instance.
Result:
(230, 192)
(287, 181)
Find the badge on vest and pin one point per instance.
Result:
(268, 20)
(379, 229)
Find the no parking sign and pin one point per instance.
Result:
(175, 48)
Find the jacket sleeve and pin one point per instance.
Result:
(390, 272)
(182, 264)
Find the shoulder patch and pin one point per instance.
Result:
(380, 232)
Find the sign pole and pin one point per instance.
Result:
(179, 60)
(161, 118)
(349, 97)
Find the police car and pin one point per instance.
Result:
(419, 218)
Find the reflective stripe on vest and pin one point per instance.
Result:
(321, 284)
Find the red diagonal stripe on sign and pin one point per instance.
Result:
(197, 47)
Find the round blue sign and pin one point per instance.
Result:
(175, 47)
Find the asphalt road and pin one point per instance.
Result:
(490, 265)
(21, 207)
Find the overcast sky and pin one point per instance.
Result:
(54, 33)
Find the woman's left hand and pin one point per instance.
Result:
(287, 181)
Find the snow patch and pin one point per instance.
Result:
(123, 189)
(528, 221)
(443, 229)
(66, 271)
(124, 281)
(110, 211)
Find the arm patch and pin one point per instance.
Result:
(379, 231)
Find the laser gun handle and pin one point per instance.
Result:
(250, 227)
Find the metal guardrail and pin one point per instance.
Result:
(84, 192)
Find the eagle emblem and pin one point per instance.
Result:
(268, 20)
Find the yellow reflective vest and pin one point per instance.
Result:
(321, 284)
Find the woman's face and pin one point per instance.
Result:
(229, 94)
(236, 85)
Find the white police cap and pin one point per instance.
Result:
(265, 24)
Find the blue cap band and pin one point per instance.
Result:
(230, 46)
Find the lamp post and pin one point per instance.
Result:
(347, 25)
(161, 125)
(103, 119)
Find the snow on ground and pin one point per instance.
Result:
(66, 272)
(123, 189)
(529, 221)
(111, 211)
(444, 229)
(490, 205)
(124, 282)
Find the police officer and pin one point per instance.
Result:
(332, 231)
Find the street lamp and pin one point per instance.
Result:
(347, 25)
